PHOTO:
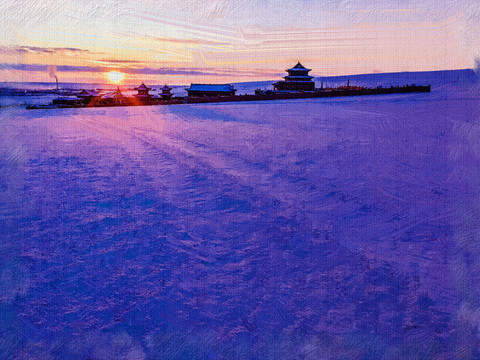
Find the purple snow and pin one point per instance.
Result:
(343, 228)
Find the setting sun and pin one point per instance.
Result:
(115, 76)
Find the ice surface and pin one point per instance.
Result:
(297, 229)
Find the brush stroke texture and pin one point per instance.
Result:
(320, 228)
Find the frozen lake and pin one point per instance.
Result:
(300, 229)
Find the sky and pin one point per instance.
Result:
(218, 41)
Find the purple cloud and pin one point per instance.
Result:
(41, 50)
(140, 71)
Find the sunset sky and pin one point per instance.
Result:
(215, 41)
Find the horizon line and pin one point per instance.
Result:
(238, 82)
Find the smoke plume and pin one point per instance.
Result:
(52, 69)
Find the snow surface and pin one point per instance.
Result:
(297, 229)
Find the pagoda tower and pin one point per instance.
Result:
(166, 92)
(143, 93)
(118, 96)
(296, 80)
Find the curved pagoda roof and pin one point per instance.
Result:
(299, 67)
(143, 87)
(298, 77)
(109, 95)
(166, 87)
(88, 93)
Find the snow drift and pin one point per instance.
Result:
(340, 228)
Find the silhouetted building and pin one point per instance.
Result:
(296, 80)
(119, 98)
(68, 101)
(211, 90)
(166, 92)
(143, 93)
(89, 97)
(114, 98)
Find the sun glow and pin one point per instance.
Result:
(115, 76)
